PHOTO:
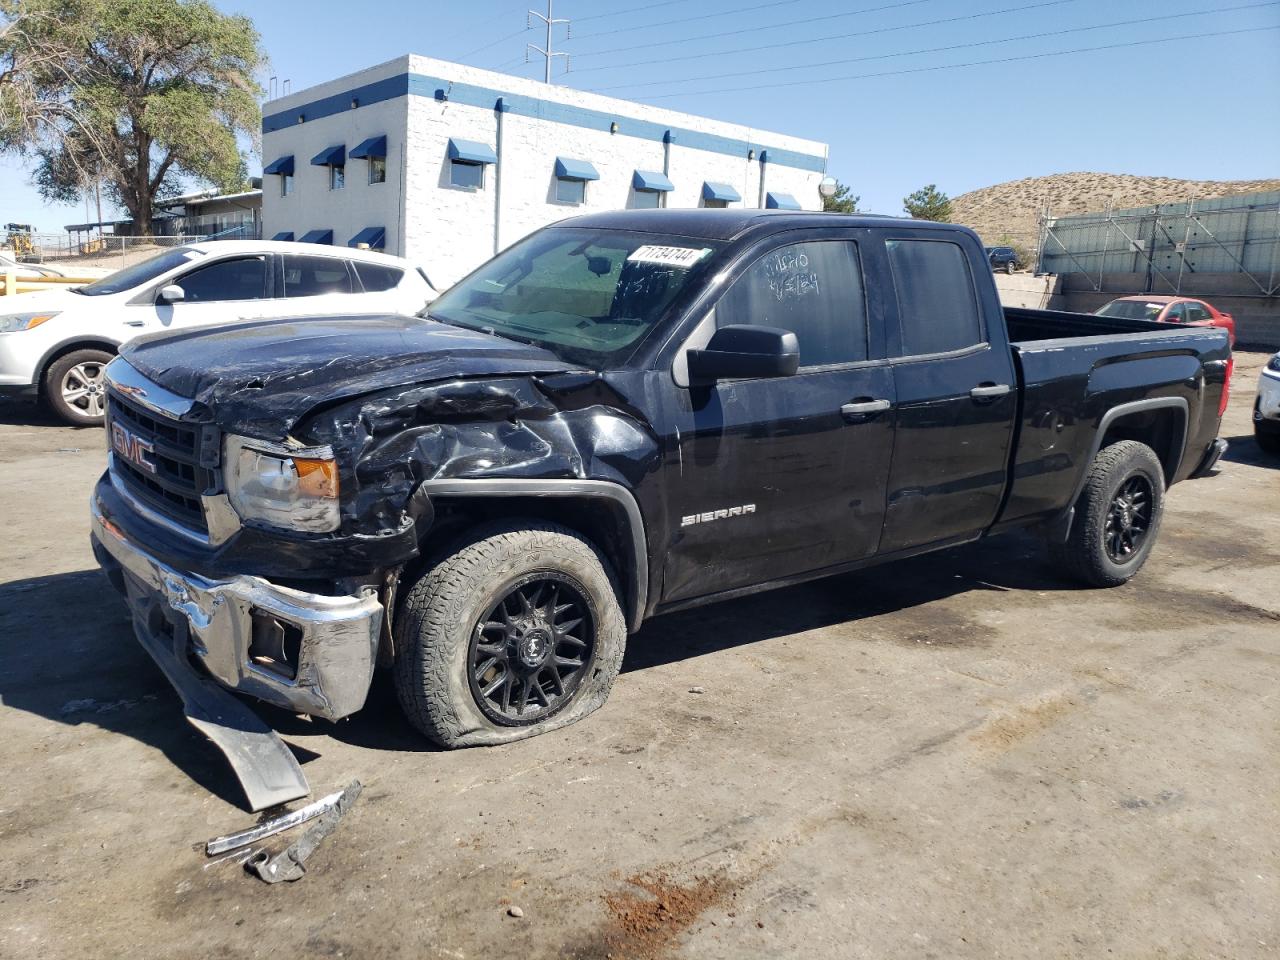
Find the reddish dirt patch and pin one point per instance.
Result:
(646, 919)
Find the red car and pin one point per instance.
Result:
(1164, 309)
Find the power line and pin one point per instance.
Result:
(619, 13)
(510, 36)
(954, 46)
(833, 36)
(734, 33)
(704, 16)
(972, 63)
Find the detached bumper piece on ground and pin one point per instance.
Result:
(291, 862)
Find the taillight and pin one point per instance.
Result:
(1226, 387)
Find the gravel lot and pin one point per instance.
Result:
(956, 756)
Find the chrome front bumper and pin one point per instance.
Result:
(188, 622)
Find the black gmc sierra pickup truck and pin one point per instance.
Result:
(621, 415)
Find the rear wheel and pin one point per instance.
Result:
(1008, 267)
(75, 388)
(516, 633)
(1117, 516)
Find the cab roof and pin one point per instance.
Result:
(732, 223)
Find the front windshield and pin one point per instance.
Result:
(1131, 310)
(141, 272)
(588, 296)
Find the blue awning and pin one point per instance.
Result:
(283, 235)
(283, 166)
(373, 147)
(720, 191)
(649, 180)
(375, 237)
(569, 169)
(471, 151)
(318, 236)
(781, 201)
(331, 157)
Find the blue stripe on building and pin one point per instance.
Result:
(421, 85)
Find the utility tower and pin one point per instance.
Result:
(547, 53)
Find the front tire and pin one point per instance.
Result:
(75, 388)
(517, 632)
(1117, 516)
(1009, 267)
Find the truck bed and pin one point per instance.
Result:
(1075, 367)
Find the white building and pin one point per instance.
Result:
(447, 164)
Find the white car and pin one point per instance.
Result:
(1266, 409)
(54, 344)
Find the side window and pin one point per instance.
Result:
(242, 279)
(315, 276)
(937, 302)
(376, 278)
(813, 289)
(1176, 314)
(1196, 313)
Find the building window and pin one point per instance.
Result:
(571, 191)
(337, 177)
(286, 184)
(647, 200)
(715, 204)
(465, 174)
(377, 169)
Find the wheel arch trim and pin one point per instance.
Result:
(637, 587)
(1125, 409)
(70, 345)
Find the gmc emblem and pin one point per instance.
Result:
(132, 447)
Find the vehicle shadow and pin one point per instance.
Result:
(1245, 449)
(28, 413)
(69, 654)
(1011, 562)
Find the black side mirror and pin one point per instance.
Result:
(745, 352)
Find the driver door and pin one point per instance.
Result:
(227, 290)
(774, 478)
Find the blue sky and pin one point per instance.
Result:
(1204, 108)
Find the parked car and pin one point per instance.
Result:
(1165, 309)
(621, 415)
(54, 344)
(1004, 258)
(38, 271)
(1266, 408)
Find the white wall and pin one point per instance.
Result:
(360, 204)
(450, 230)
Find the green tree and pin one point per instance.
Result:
(139, 94)
(840, 201)
(928, 203)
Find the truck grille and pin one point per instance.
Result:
(174, 489)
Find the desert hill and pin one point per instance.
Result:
(1011, 210)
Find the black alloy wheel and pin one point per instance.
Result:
(531, 650)
(1128, 519)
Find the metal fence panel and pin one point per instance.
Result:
(1168, 242)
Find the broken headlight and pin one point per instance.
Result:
(296, 489)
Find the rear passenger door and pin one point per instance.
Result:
(317, 286)
(956, 392)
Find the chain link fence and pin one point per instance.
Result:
(108, 252)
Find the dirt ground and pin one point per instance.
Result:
(955, 756)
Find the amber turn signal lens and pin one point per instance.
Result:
(317, 478)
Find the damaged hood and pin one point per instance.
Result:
(263, 377)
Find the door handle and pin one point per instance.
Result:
(135, 323)
(864, 408)
(989, 391)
